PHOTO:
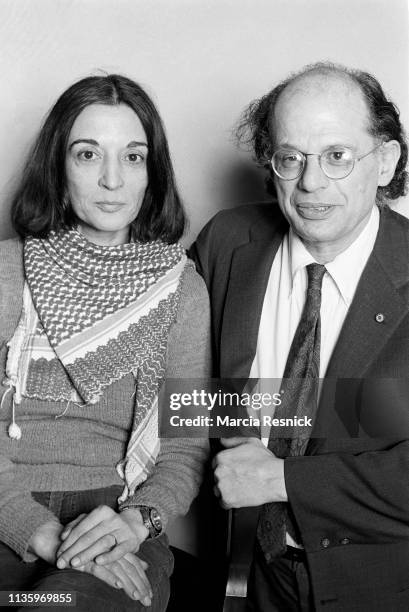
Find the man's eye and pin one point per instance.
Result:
(338, 156)
(289, 159)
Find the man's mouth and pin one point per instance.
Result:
(313, 211)
(318, 208)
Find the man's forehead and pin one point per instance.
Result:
(336, 100)
(331, 84)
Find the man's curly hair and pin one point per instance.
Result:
(254, 128)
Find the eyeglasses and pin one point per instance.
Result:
(335, 162)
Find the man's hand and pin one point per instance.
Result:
(127, 573)
(248, 474)
(102, 535)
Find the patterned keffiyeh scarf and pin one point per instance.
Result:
(91, 316)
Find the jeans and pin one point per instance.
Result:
(92, 594)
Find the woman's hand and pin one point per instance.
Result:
(45, 541)
(102, 535)
(127, 573)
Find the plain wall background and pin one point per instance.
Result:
(201, 60)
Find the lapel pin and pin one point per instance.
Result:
(380, 317)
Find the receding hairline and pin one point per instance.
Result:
(320, 77)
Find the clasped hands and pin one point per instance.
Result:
(248, 474)
(102, 536)
(108, 539)
(102, 543)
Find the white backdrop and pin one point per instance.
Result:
(201, 60)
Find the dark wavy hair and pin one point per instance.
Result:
(254, 128)
(38, 205)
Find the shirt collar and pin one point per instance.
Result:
(346, 269)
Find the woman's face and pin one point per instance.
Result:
(106, 171)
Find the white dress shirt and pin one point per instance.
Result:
(286, 293)
(285, 298)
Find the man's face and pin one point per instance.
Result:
(312, 115)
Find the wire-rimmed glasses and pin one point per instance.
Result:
(336, 162)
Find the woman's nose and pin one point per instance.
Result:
(313, 177)
(111, 175)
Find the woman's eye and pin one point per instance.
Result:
(134, 158)
(87, 155)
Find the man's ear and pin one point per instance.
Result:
(389, 154)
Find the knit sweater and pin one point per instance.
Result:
(77, 447)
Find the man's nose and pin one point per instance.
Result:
(111, 175)
(313, 177)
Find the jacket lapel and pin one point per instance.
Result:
(250, 270)
(379, 304)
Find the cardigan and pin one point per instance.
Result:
(77, 448)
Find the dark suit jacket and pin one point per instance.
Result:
(350, 492)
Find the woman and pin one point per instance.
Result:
(98, 305)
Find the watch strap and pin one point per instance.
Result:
(150, 517)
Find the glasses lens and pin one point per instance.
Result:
(287, 164)
(337, 162)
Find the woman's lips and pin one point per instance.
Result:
(110, 207)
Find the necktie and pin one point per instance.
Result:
(299, 398)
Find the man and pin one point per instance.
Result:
(315, 291)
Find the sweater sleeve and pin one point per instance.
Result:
(11, 287)
(174, 481)
(20, 514)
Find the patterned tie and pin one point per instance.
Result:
(299, 398)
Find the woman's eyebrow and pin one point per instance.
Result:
(136, 143)
(95, 143)
(85, 140)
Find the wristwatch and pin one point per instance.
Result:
(151, 519)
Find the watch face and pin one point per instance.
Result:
(156, 520)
